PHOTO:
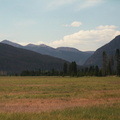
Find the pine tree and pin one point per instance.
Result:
(118, 62)
(65, 69)
(73, 69)
(96, 72)
(104, 64)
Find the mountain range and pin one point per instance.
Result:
(15, 60)
(109, 48)
(65, 53)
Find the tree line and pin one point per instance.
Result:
(110, 66)
(68, 69)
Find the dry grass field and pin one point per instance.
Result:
(59, 98)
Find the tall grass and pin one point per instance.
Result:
(90, 88)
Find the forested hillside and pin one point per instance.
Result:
(15, 60)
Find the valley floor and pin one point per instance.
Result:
(83, 98)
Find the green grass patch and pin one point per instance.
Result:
(79, 113)
(63, 88)
(56, 87)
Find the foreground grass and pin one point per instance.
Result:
(79, 113)
(30, 92)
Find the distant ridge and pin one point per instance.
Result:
(110, 48)
(15, 60)
(66, 53)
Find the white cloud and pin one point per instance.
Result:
(74, 24)
(107, 27)
(88, 39)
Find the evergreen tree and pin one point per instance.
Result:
(65, 69)
(73, 69)
(104, 64)
(118, 62)
(96, 72)
(91, 71)
(110, 66)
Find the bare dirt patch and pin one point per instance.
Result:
(42, 105)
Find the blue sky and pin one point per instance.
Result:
(83, 24)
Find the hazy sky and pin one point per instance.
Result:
(83, 24)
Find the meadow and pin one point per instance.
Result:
(59, 98)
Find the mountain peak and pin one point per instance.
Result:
(30, 45)
(68, 49)
(11, 43)
(117, 37)
(33, 45)
(43, 45)
(6, 41)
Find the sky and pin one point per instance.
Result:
(82, 24)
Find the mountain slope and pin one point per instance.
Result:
(14, 59)
(110, 48)
(66, 53)
(72, 54)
